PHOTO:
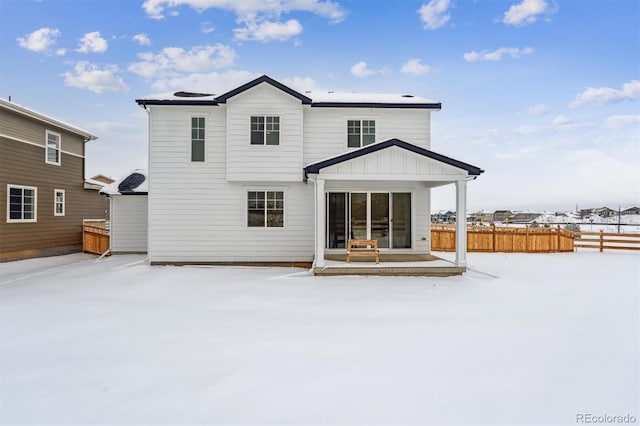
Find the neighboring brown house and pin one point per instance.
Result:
(43, 199)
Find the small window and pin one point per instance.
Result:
(265, 209)
(197, 138)
(58, 202)
(360, 133)
(265, 130)
(52, 151)
(21, 203)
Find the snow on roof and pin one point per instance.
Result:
(47, 119)
(129, 185)
(383, 98)
(317, 98)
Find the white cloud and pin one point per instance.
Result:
(301, 84)
(39, 40)
(213, 82)
(206, 27)
(496, 55)
(434, 14)
(620, 121)
(142, 39)
(415, 66)
(266, 31)
(171, 61)
(91, 77)
(92, 42)
(607, 95)
(562, 120)
(526, 151)
(526, 129)
(538, 109)
(525, 12)
(60, 52)
(250, 8)
(360, 70)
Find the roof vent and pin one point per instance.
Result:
(191, 94)
(131, 182)
(407, 96)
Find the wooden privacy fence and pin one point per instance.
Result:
(95, 237)
(504, 239)
(607, 240)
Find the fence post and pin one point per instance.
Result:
(601, 241)
(558, 239)
(526, 240)
(493, 239)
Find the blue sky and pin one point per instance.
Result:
(542, 94)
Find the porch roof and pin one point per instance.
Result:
(315, 168)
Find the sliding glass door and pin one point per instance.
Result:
(382, 216)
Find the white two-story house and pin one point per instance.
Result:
(264, 173)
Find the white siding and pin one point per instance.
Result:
(246, 162)
(128, 223)
(325, 129)
(394, 163)
(196, 215)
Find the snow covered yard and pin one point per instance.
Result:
(520, 339)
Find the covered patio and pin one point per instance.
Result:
(351, 191)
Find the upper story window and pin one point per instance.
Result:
(360, 133)
(197, 138)
(52, 151)
(265, 130)
(58, 202)
(265, 209)
(21, 203)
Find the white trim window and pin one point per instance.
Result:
(58, 202)
(265, 130)
(53, 148)
(197, 139)
(360, 133)
(22, 203)
(265, 209)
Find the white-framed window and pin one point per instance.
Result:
(197, 139)
(265, 209)
(58, 202)
(360, 133)
(53, 148)
(265, 130)
(22, 203)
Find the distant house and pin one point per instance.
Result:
(501, 215)
(128, 206)
(631, 210)
(601, 211)
(524, 217)
(480, 217)
(443, 217)
(103, 179)
(42, 185)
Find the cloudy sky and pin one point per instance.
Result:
(542, 94)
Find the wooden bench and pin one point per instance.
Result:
(363, 248)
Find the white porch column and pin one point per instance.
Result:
(320, 223)
(461, 223)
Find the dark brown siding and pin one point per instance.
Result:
(23, 164)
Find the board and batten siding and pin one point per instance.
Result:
(196, 215)
(325, 129)
(246, 162)
(129, 223)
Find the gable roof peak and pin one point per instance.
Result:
(263, 79)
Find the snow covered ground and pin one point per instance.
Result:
(520, 339)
